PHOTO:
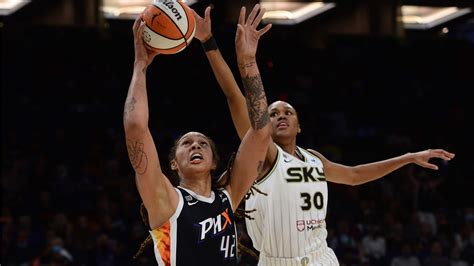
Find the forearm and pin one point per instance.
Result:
(136, 105)
(223, 74)
(368, 172)
(235, 98)
(251, 154)
(254, 93)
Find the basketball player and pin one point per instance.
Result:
(193, 224)
(288, 226)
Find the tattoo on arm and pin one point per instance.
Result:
(129, 106)
(256, 101)
(137, 156)
(246, 65)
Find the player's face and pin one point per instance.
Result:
(193, 155)
(284, 120)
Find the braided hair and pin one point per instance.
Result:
(148, 240)
(240, 213)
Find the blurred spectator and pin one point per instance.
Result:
(437, 257)
(455, 257)
(374, 246)
(344, 244)
(55, 254)
(406, 257)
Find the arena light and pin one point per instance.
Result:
(425, 17)
(291, 13)
(128, 9)
(8, 7)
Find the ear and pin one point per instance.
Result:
(174, 165)
(299, 129)
(214, 165)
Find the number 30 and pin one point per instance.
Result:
(317, 201)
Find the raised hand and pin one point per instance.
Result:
(203, 25)
(142, 52)
(421, 158)
(247, 36)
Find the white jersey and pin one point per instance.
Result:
(289, 222)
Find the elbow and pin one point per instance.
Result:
(265, 133)
(350, 181)
(354, 182)
(354, 178)
(262, 136)
(267, 139)
(134, 125)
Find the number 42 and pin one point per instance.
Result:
(228, 245)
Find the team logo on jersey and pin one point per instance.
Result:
(214, 226)
(286, 159)
(190, 200)
(305, 174)
(300, 225)
(309, 225)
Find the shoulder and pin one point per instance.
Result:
(316, 153)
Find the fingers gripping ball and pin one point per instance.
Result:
(170, 26)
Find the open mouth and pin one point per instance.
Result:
(196, 157)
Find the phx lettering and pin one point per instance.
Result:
(170, 5)
(212, 227)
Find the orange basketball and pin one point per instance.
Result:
(170, 26)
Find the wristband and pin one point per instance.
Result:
(210, 44)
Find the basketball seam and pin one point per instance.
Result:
(164, 49)
(164, 12)
(176, 24)
(163, 35)
(187, 20)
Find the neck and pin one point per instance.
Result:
(291, 149)
(200, 187)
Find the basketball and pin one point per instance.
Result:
(169, 26)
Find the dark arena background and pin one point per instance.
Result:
(367, 84)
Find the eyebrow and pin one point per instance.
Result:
(201, 138)
(286, 108)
